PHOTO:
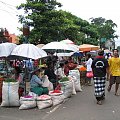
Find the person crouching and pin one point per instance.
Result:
(36, 84)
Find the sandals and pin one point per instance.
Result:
(109, 88)
(99, 102)
(117, 94)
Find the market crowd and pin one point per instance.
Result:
(96, 70)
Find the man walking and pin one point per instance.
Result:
(114, 71)
(100, 68)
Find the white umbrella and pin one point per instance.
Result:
(57, 47)
(6, 49)
(71, 44)
(67, 41)
(64, 54)
(29, 51)
(40, 45)
(74, 47)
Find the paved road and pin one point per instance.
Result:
(79, 107)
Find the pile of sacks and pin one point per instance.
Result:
(68, 87)
(10, 97)
(71, 85)
(44, 101)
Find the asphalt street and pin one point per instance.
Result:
(81, 106)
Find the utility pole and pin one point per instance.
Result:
(26, 32)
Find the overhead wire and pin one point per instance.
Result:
(9, 6)
(7, 12)
(12, 12)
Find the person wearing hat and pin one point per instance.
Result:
(36, 83)
(99, 68)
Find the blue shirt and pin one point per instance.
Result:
(35, 81)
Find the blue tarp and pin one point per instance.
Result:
(78, 54)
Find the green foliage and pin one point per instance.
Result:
(104, 27)
(10, 80)
(64, 79)
(49, 24)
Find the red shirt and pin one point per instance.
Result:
(66, 70)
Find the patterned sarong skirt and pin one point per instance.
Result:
(99, 84)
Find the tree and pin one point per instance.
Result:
(49, 24)
(104, 27)
(37, 13)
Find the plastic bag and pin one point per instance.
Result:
(89, 74)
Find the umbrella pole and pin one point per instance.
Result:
(6, 67)
(25, 79)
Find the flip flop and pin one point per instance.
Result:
(99, 102)
(116, 94)
(108, 89)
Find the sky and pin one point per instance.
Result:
(85, 9)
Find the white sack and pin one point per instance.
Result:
(10, 95)
(44, 103)
(75, 74)
(73, 91)
(67, 88)
(47, 83)
(57, 98)
(27, 103)
(50, 87)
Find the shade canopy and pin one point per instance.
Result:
(88, 47)
(29, 51)
(40, 45)
(57, 47)
(64, 54)
(79, 54)
(67, 41)
(6, 49)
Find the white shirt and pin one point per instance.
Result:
(88, 64)
(60, 72)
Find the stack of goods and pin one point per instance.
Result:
(57, 97)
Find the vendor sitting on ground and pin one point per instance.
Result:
(36, 84)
